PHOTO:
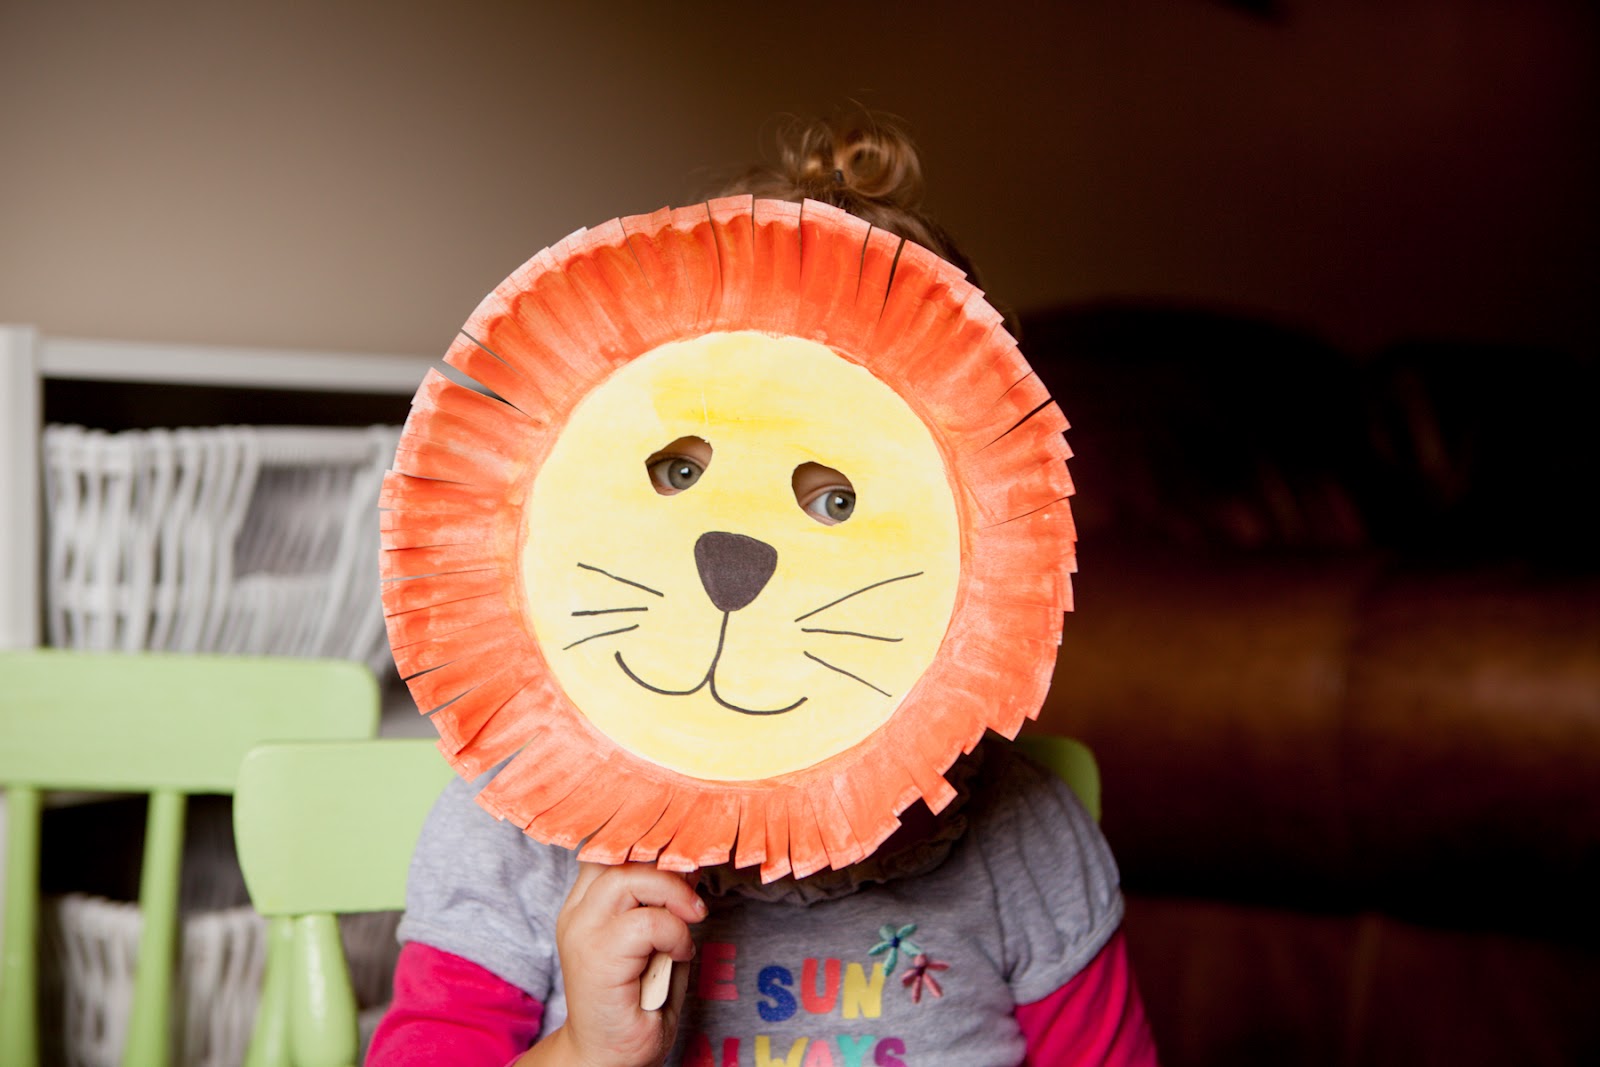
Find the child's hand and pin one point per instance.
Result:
(614, 920)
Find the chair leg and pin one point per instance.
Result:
(149, 1023)
(323, 1027)
(269, 1042)
(19, 1004)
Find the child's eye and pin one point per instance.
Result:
(831, 505)
(679, 465)
(824, 493)
(673, 474)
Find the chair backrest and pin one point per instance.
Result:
(1072, 761)
(325, 828)
(167, 725)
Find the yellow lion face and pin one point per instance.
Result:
(758, 520)
(740, 555)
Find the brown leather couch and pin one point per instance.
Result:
(1337, 649)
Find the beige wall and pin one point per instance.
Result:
(276, 174)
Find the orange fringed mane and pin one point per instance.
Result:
(559, 326)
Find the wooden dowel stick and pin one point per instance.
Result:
(657, 981)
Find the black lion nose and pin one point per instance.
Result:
(733, 568)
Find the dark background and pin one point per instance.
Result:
(354, 176)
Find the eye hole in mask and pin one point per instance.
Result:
(678, 466)
(823, 493)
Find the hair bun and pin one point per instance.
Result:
(859, 162)
(869, 158)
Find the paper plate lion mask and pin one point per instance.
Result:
(760, 524)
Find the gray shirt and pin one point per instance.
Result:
(923, 969)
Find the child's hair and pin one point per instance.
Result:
(859, 162)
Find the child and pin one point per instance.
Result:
(988, 934)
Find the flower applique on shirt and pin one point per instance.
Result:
(920, 976)
(892, 941)
(921, 970)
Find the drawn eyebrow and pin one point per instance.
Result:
(624, 581)
(606, 633)
(606, 611)
(858, 592)
(846, 633)
(844, 672)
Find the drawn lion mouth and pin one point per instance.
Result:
(708, 682)
(733, 570)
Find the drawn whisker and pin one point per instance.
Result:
(846, 673)
(619, 578)
(606, 633)
(848, 633)
(605, 611)
(858, 592)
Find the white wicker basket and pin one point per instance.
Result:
(253, 540)
(93, 943)
(90, 948)
(231, 539)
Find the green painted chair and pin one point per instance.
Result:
(328, 828)
(1072, 761)
(166, 725)
(323, 829)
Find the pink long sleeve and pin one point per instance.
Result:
(1097, 1018)
(448, 1010)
